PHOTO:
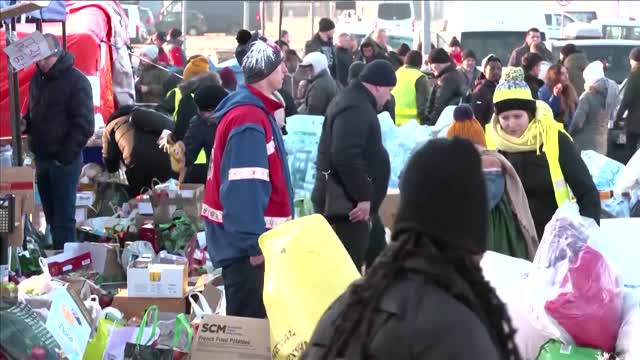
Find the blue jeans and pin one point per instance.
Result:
(57, 185)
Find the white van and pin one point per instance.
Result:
(397, 17)
(556, 23)
(498, 34)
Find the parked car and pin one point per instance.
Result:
(220, 16)
(146, 15)
(173, 19)
(613, 53)
(137, 30)
(398, 17)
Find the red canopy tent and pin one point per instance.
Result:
(87, 26)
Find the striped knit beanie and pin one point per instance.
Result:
(512, 93)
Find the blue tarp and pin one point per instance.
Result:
(606, 173)
(56, 11)
(304, 135)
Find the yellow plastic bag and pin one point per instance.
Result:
(96, 346)
(306, 269)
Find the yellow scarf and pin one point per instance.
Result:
(542, 130)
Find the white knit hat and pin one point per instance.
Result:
(593, 72)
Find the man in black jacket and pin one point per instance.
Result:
(449, 88)
(533, 36)
(323, 41)
(482, 97)
(344, 59)
(202, 132)
(59, 123)
(322, 87)
(351, 152)
(629, 110)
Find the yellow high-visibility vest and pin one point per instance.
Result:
(552, 153)
(405, 94)
(202, 156)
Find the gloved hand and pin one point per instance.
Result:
(164, 141)
(177, 153)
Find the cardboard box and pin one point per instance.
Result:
(68, 261)
(134, 307)
(389, 208)
(192, 196)
(19, 181)
(231, 338)
(157, 280)
(105, 258)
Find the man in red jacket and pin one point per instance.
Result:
(248, 189)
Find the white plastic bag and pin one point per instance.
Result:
(628, 344)
(37, 291)
(508, 276)
(136, 250)
(575, 295)
(93, 305)
(199, 308)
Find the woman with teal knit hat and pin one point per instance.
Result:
(542, 153)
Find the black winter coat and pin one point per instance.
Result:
(533, 171)
(415, 320)
(534, 85)
(630, 102)
(320, 91)
(520, 52)
(131, 139)
(353, 150)
(344, 59)
(482, 101)
(325, 47)
(448, 90)
(200, 135)
(60, 118)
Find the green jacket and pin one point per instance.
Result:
(153, 78)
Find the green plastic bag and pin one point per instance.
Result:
(555, 350)
(175, 235)
(95, 347)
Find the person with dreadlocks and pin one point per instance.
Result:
(425, 297)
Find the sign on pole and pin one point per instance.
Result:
(28, 50)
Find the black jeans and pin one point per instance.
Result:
(243, 284)
(57, 185)
(355, 238)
